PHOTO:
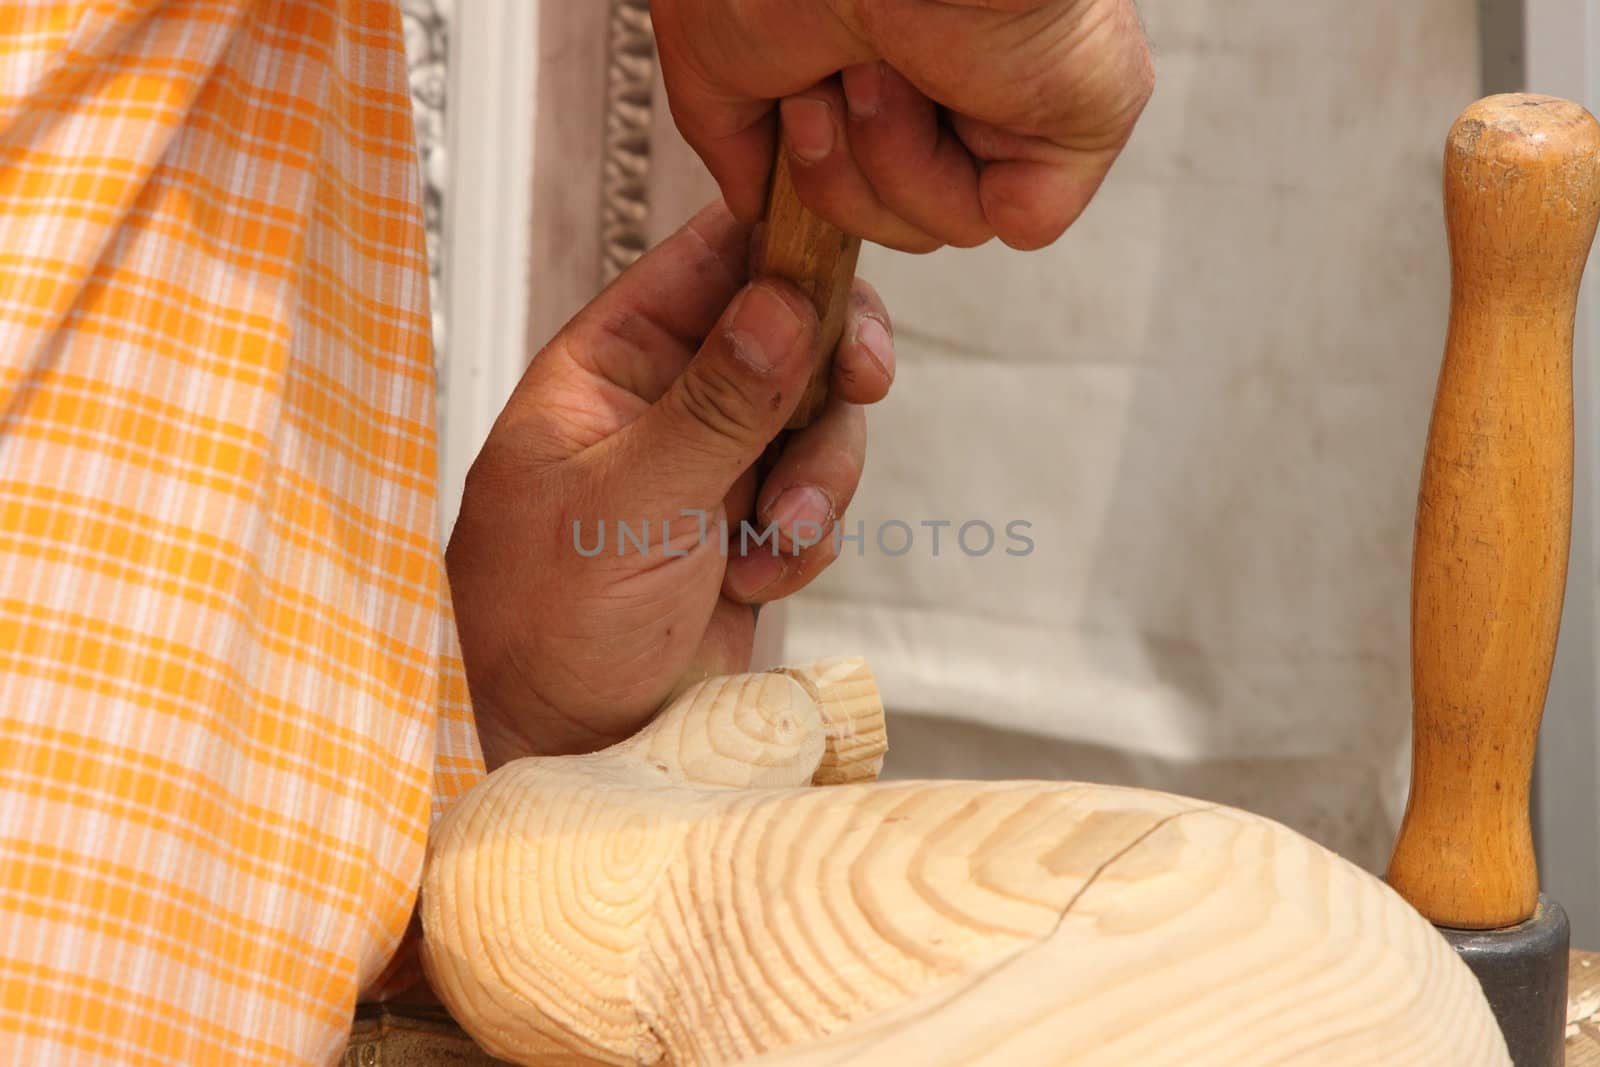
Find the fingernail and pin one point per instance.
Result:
(874, 337)
(807, 127)
(749, 575)
(863, 89)
(763, 328)
(801, 505)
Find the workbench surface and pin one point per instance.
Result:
(1583, 1010)
(421, 1037)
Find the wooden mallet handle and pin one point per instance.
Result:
(818, 257)
(1522, 194)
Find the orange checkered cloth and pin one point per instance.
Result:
(229, 685)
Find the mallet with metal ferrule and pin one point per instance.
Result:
(1522, 195)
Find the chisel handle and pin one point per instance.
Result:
(1522, 194)
(820, 258)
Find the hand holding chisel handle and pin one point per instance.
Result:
(1522, 194)
(820, 258)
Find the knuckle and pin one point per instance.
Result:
(914, 244)
(713, 398)
(963, 232)
(1128, 76)
(1144, 75)
(973, 238)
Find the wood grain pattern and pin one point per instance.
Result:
(852, 719)
(1522, 194)
(818, 257)
(688, 898)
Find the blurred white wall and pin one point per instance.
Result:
(1561, 56)
(1209, 400)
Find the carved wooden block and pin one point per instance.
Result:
(690, 897)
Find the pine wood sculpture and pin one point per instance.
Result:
(689, 898)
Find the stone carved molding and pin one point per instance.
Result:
(427, 34)
(625, 173)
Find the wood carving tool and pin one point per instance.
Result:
(1522, 196)
(820, 259)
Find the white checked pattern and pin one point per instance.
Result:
(229, 690)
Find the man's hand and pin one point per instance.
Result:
(913, 123)
(574, 631)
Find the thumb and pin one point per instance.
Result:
(715, 420)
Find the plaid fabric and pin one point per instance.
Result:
(229, 689)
